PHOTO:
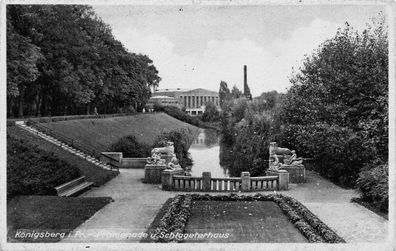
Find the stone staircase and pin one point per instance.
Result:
(65, 146)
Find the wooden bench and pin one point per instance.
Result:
(72, 187)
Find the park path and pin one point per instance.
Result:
(136, 204)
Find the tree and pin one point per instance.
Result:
(63, 59)
(224, 93)
(211, 113)
(236, 93)
(341, 96)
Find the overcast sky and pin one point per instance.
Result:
(198, 46)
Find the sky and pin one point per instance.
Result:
(197, 46)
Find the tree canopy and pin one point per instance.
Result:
(63, 59)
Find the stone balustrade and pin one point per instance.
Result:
(175, 181)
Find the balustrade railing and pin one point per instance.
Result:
(178, 182)
(264, 183)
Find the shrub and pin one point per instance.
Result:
(130, 147)
(31, 171)
(338, 151)
(178, 114)
(211, 113)
(373, 185)
(182, 139)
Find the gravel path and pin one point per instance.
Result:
(136, 204)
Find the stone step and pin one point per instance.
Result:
(71, 149)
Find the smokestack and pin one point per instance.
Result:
(244, 75)
(246, 89)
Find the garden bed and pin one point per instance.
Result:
(253, 218)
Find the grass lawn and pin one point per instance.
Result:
(101, 133)
(91, 172)
(49, 214)
(244, 221)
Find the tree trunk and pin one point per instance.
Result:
(21, 102)
(88, 108)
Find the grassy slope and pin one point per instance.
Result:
(101, 133)
(91, 172)
(49, 213)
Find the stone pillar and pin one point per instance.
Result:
(283, 180)
(245, 177)
(167, 179)
(206, 177)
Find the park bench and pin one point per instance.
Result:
(73, 187)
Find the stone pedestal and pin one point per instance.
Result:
(283, 182)
(296, 173)
(283, 178)
(152, 173)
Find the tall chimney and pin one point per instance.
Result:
(244, 76)
(246, 89)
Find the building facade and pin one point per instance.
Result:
(194, 101)
(162, 100)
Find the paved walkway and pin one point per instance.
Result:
(136, 204)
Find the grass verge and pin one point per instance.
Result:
(48, 218)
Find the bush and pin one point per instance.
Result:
(338, 151)
(211, 113)
(179, 114)
(373, 185)
(130, 147)
(34, 120)
(31, 171)
(182, 140)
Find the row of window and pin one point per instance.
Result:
(197, 101)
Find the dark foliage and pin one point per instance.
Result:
(211, 113)
(130, 147)
(31, 171)
(373, 186)
(179, 114)
(63, 59)
(182, 140)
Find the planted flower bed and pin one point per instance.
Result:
(171, 226)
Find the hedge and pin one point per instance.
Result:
(373, 186)
(175, 219)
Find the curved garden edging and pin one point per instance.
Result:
(172, 224)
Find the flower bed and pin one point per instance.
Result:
(172, 224)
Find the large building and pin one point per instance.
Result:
(162, 100)
(194, 101)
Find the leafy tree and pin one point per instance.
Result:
(236, 93)
(341, 96)
(211, 113)
(63, 59)
(224, 93)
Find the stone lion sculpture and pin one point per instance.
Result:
(155, 158)
(174, 164)
(169, 149)
(282, 156)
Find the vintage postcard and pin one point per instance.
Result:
(198, 124)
